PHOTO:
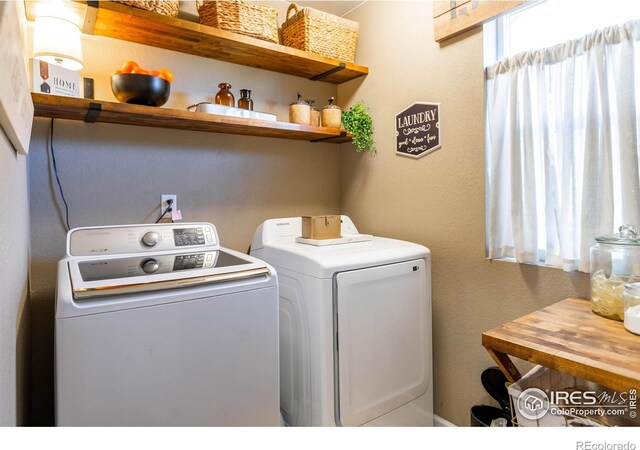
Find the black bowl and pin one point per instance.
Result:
(140, 89)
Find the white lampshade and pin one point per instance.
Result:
(57, 41)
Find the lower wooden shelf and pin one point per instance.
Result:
(147, 116)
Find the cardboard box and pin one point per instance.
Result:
(51, 79)
(321, 227)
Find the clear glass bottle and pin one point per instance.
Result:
(224, 96)
(631, 305)
(615, 260)
(245, 102)
(331, 115)
(315, 114)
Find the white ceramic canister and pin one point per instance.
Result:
(631, 304)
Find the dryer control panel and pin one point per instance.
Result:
(126, 239)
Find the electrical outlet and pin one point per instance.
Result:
(164, 204)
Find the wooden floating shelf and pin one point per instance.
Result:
(143, 27)
(87, 110)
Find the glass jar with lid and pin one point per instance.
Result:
(245, 101)
(300, 112)
(631, 305)
(315, 114)
(331, 115)
(615, 260)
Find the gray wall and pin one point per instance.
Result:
(115, 174)
(438, 200)
(14, 312)
(14, 295)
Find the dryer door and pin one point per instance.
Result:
(383, 348)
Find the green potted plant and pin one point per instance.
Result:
(358, 122)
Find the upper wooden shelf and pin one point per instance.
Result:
(568, 337)
(143, 27)
(121, 113)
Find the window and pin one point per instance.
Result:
(545, 23)
(562, 121)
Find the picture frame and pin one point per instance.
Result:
(16, 105)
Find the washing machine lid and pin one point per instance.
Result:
(103, 277)
(324, 262)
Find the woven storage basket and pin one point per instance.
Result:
(240, 17)
(165, 7)
(322, 33)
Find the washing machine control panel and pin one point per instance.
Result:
(119, 240)
(189, 236)
(150, 239)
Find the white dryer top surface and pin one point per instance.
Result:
(281, 250)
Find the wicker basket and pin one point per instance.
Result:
(240, 17)
(322, 33)
(165, 7)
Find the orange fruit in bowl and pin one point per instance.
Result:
(129, 66)
(140, 88)
(134, 67)
(167, 75)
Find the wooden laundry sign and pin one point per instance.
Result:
(418, 130)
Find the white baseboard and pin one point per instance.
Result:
(440, 422)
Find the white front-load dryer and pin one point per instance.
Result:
(355, 327)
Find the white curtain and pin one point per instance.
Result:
(562, 147)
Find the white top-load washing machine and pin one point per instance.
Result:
(355, 327)
(159, 325)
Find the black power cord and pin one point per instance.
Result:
(64, 200)
(167, 209)
(55, 171)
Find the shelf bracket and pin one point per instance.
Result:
(90, 16)
(329, 72)
(341, 135)
(93, 112)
